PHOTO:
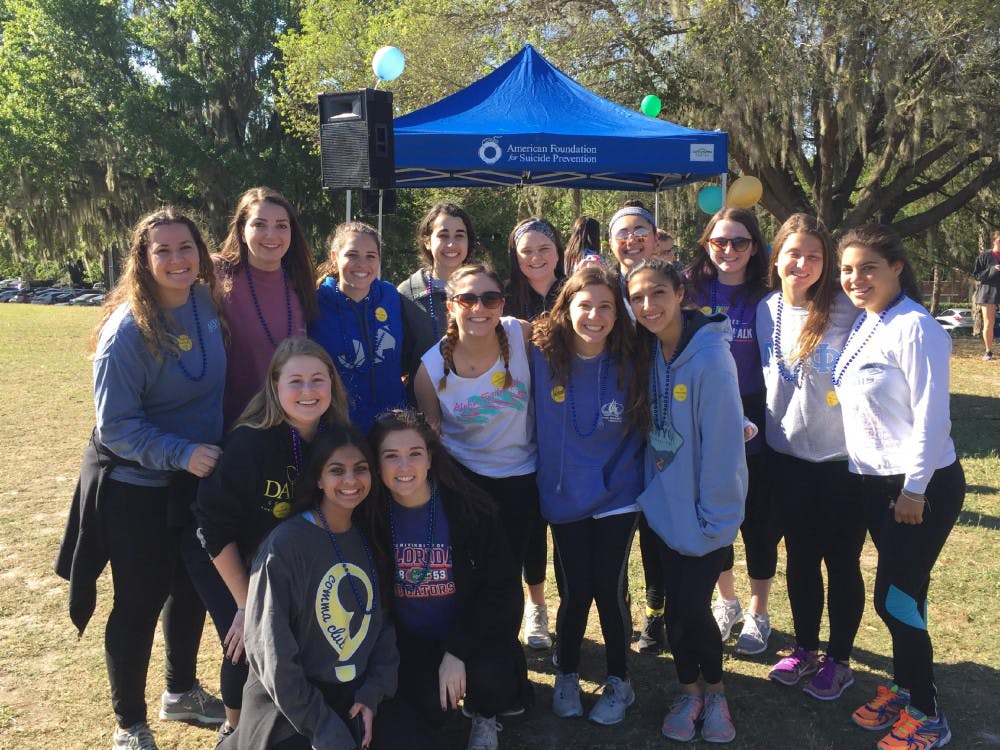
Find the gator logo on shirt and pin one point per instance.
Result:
(338, 615)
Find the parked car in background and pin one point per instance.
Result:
(956, 319)
(83, 299)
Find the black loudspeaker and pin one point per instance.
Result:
(356, 140)
(369, 202)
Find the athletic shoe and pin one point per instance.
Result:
(516, 710)
(136, 737)
(566, 696)
(831, 681)
(653, 638)
(717, 725)
(987, 356)
(224, 731)
(678, 724)
(914, 730)
(882, 710)
(726, 615)
(536, 626)
(484, 733)
(795, 667)
(610, 708)
(196, 706)
(753, 638)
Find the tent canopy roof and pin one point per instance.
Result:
(527, 122)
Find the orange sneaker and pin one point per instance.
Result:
(914, 730)
(882, 710)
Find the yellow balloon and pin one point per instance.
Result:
(744, 192)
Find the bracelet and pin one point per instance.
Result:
(241, 609)
(912, 498)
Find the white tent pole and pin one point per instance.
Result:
(656, 207)
(725, 183)
(347, 207)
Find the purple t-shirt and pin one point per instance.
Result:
(742, 312)
(250, 349)
(426, 605)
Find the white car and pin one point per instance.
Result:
(955, 318)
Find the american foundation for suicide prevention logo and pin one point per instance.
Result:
(490, 151)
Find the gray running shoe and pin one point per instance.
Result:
(756, 631)
(136, 737)
(484, 733)
(196, 706)
(610, 708)
(726, 614)
(717, 726)
(566, 696)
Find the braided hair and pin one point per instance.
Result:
(451, 335)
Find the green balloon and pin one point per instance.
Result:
(651, 105)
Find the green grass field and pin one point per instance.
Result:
(53, 686)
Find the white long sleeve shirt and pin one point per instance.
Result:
(894, 396)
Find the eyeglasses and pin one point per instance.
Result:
(740, 244)
(639, 233)
(489, 300)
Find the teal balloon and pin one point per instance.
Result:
(710, 199)
(388, 63)
(651, 105)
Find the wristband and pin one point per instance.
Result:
(912, 498)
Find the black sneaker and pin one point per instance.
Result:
(653, 638)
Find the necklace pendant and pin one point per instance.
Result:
(184, 343)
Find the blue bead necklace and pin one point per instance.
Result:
(347, 571)
(260, 314)
(857, 327)
(603, 368)
(201, 344)
(416, 577)
(788, 377)
(661, 409)
(430, 304)
(738, 320)
(297, 446)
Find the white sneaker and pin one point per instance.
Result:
(727, 614)
(536, 626)
(756, 631)
(136, 737)
(484, 733)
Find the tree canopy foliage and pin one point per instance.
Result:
(854, 110)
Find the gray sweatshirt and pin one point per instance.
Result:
(803, 417)
(304, 625)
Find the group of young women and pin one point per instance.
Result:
(362, 561)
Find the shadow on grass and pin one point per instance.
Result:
(766, 715)
(977, 520)
(974, 424)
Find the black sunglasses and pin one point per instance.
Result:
(468, 300)
(740, 244)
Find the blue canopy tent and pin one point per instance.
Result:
(528, 123)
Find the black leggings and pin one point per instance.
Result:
(906, 556)
(761, 527)
(593, 554)
(652, 565)
(222, 607)
(148, 577)
(694, 637)
(824, 523)
(536, 553)
(413, 719)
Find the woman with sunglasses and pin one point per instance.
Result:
(363, 323)
(892, 381)
(475, 389)
(590, 407)
(536, 276)
(455, 594)
(801, 328)
(632, 236)
(265, 272)
(445, 238)
(729, 275)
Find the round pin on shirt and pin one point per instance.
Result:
(184, 343)
(558, 394)
(381, 315)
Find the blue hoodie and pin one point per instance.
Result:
(695, 491)
(589, 463)
(365, 340)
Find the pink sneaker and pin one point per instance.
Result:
(717, 725)
(795, 667)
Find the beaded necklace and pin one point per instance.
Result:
(260, 314)
(201, 343)
(857, 327)
(602, 374)
(788, 377)
(417, 576)
(297, 446)
(738, 320)
(430, 304)
(347, 571)
(662, 414)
